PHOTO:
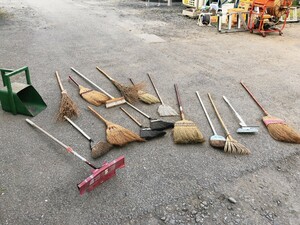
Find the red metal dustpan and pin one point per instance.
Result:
(99, 175)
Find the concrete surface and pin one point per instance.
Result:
(38, 178)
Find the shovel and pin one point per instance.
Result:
(244, 129)
(216, 140)
(145, 132)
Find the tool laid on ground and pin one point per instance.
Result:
(231, 145)
(244, 129)
(155, 124)
(215, 140)
(110, 103)
(99, 175)
(185, 131)
(116, 134)
(129, 93)
(163, 110)
(145, 132)
(99, 149)
(146, 97)
(19, 98)
(277, 127)
(96, 98)
(67, 106)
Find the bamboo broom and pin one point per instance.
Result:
(67, 106)
(93, 97)
(116, 134)
(185, 131)
(277, 127)
(130, 93)
(231, 145)
(146, 97)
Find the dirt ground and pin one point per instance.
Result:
(162, 183)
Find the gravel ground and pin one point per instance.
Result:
(162, 183)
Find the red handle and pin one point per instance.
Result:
(179, 102)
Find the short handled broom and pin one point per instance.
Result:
(99, 175)
(163, 110)
(130, 93)
(231, 145)
(93, 97)
(277, 127)
(116, 134)
(67, 106)
(146, 97)
(99, 149)
(185, 131)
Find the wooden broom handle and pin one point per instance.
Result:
(155, 89)
(59, 82)
(249, 92)
(105, 74)
(179, 102)
(218, 114)
(131, 117)
(99, 116)
(74, 81)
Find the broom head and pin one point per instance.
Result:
(118, 135)
(280, 131)
(93, 97)
(147, 98)
(186, 132)
(67, 107)
(100, 149)
(165, 110)
(232, 146)
(130, 93)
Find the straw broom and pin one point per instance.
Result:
(185, 131)
(116, 134)
(67, 106)
(93, 97)
(277, 127)
(130, 93)
(146, 97)
(231, 145)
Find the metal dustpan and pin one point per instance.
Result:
(19, 98)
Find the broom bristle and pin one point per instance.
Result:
(280, 131)
(165, 110)
(147, 98)
(67, 107)
(186, 131)
(94, 97)
(232, 146)
(130, 93)
(118, 135)
(100, 149)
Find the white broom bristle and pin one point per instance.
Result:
(165, 110)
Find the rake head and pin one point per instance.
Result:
(101, 175)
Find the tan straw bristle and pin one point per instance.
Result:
(186, 132)
(67, 107)
(94, 97)
(232, 146)
(118, 135)
(100, 149)
(147, 98)
(280, 131)
(130, 93)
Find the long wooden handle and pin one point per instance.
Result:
(131, 117)
(179, 102)
(249, 92)
(155, 89)
(105, 74)
(218, 114)
(59, 82)
(98, 115)
(74, 81)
